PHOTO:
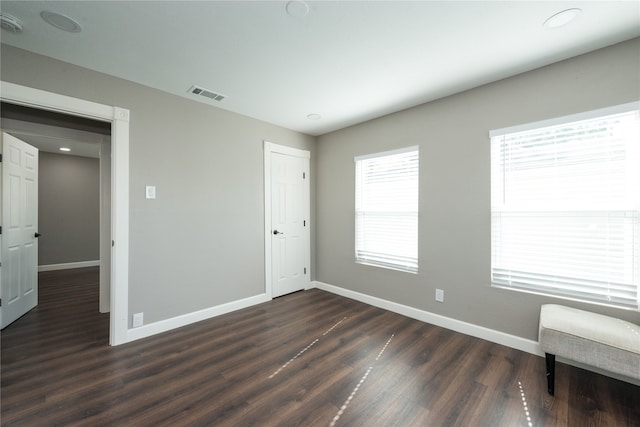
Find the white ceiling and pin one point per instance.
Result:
(346, 61)
(50, 138)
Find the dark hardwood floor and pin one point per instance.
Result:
(306, 359)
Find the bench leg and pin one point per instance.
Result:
(551, 371)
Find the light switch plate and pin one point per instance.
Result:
(150, 191)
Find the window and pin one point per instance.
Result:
(565, 200)
(387, 209)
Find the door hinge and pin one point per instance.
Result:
(304, 222)
(0, 302)
(304, 175)
(0, 158)
(305, 270)
(0, 229)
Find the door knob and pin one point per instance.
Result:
(275, 232)
(37, 235)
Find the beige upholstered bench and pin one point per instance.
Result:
(601, 341)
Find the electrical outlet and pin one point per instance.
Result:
(138, 319)
(150, 191)
(439, 295)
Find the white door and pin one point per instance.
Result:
(19, 249)
(289, 233)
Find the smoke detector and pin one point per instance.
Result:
(196, 90)
(10, 23)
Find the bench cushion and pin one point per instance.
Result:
(598, 340)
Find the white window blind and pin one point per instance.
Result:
(387, 209)
(565, 200)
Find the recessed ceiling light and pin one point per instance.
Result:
(297, 8)
(314, 116)
(62, 22)
(65, 149)
(561, 19)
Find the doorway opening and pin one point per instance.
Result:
(74, 219)
(118, 121)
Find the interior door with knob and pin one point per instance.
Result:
(289, 223)
(19, 248)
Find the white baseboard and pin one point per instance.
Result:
(69, 265)
(196, 316)
(492, 335)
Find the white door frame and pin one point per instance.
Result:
(269, 148)
(119, 119)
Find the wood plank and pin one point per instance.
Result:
(57, 369)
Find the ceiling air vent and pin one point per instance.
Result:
(206, 93)
(10, 23)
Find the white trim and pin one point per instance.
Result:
(119, 119)
(498, 337)
(119, 304)
(43, 100)
(387, 153)
(283, 149)
(270, 148)
(196, 316)
(512, 341)
(600, 112)
(69, 265)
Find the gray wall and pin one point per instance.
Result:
(454, 236)
(68, 209)
(200, 243)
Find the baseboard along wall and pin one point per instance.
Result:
(492, 335)
(519, 343)
(69, 265)
(189, 318)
